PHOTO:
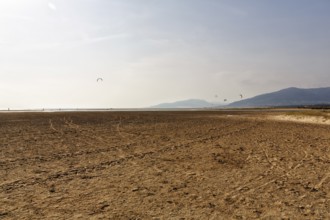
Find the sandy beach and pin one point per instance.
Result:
(163, 165)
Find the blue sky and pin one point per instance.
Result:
(153, 51)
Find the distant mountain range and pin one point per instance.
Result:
(190, 103)
(287, 97)
(284, 98)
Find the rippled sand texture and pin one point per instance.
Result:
(162, 165)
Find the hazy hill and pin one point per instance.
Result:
(190, 103)
(287, 97)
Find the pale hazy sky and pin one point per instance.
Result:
(153, 51)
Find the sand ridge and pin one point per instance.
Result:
(302, 119)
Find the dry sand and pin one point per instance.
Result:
(162, 165)
(302, 119)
